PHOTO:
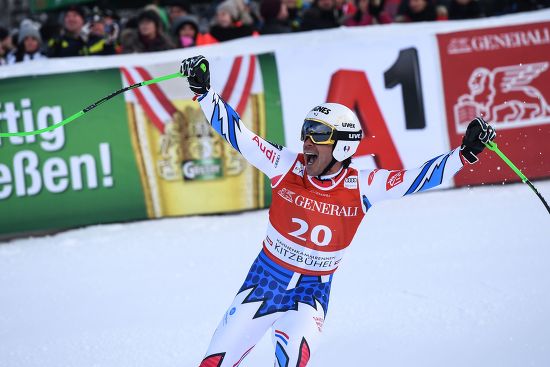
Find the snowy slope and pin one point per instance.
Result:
(450, 278)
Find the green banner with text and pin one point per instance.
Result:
(149, 153)
(78, 175)
(41, 5)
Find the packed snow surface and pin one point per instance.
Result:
(449, 278)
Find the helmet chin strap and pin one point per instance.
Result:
(327, 168)
(330, 165)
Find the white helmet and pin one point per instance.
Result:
(346, 128)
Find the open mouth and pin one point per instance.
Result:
(310, 158)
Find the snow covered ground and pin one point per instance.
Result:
(450, 278)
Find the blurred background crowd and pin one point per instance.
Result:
(36, 29)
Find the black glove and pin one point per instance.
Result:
(478, 133)
(197, 72)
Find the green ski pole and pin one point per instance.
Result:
(91, 107)
(493, 146)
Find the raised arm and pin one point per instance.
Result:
(272, 159)
(380, 184)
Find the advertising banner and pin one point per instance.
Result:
(83, 174)
(41, 5)
(392, 84)
(149, 154)
(152, 154)
(189, 168)
(502, 74)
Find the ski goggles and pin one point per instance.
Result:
(318, 131)
(322, 133)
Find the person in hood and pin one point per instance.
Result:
(148, 37)
(185, 30)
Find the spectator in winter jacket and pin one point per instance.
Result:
(499, 7)
(185, 30)
(29, 43)
(321, 15)
(6, 45)
(275, 17)
(417, 11)
(178, 9)
(103, 34)
(368, 12)
(295, 10)
(227, 25)
(248, 12)
(377, 8)
(392, 8)
(71, 41)
(344, 9)
(465, 9)
(162, 16)
(148, 37)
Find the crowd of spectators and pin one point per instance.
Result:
(78, 31)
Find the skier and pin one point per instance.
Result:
(317, 205)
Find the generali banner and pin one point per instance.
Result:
(503, 75)
(415, 95)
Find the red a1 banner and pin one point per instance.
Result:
(503, 75)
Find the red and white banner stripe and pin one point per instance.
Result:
(157, 106)
(239, 83)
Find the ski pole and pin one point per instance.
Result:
(493, 146)
(91, 107)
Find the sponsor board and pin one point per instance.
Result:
(75, 175)
(149, 154)
(503, 75)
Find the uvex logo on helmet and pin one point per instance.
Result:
(348, 124)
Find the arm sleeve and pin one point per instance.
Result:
(380, 184)
(272, 159)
